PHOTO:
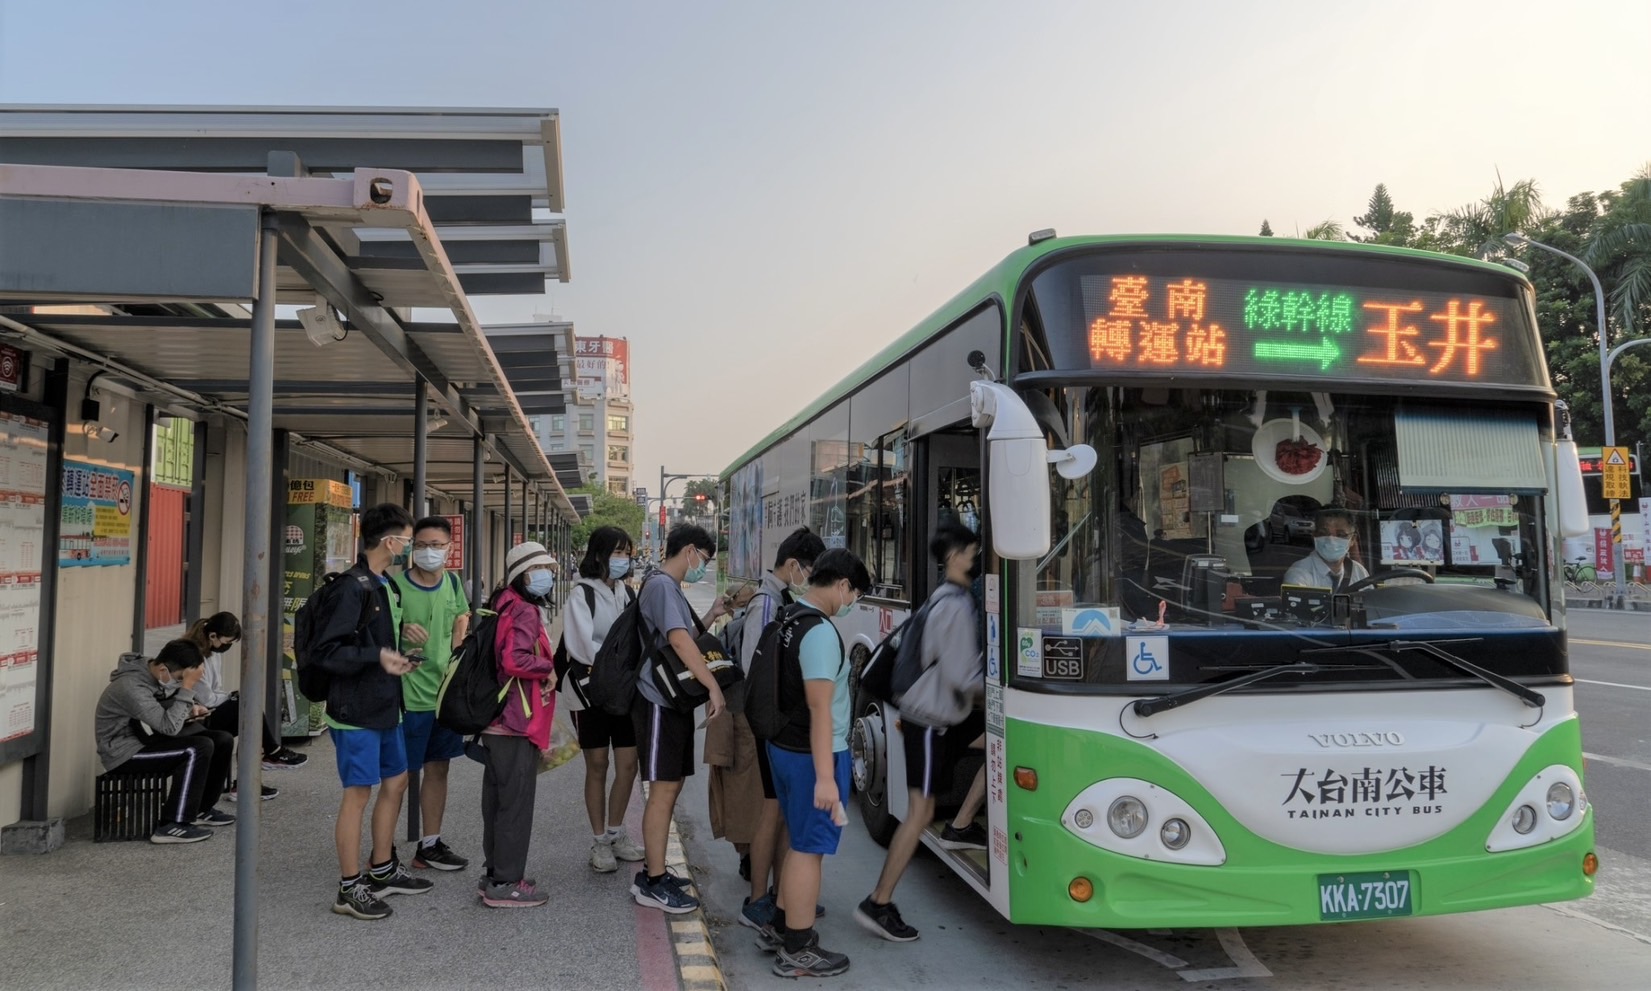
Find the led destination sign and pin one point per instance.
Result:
(1222, 326)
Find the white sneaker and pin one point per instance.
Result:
(601, 858)
(626, 850)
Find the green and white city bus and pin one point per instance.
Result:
(1179, 731)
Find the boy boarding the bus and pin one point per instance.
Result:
(434, 619)
(810, 758)
(664, 735)
(942, 698)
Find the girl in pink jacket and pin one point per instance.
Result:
(522, 731)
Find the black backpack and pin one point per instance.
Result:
(895, 665)
(774, 685)
(315, 681)
(472, 696)
(572, 675)
(613, 672)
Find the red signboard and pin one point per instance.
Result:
(662, 517)
(11, 368)
(455, 550)
(1603, 561)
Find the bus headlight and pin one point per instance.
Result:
(1127, 817)
(1175, 833)
(1524, 819)
(1561, 800)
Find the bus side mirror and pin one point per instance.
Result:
(1018, 473)
(1573, 502)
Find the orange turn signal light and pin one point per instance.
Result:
(1590, 865)
(1081, 889)
(1026, 778)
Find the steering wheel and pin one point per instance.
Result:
(1388, 575)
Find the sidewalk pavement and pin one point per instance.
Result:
(139, 916)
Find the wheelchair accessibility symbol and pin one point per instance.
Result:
(1148, 658)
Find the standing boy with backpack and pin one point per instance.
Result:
(783, 584)
(942, 698)
(809, 756)
(352, 637)
(665, 736)
(434, 619)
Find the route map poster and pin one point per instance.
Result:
(24, 443)
(96, 528)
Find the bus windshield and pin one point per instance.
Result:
(1296, 455)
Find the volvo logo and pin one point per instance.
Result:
(1328, 740)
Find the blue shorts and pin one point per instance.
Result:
(428, 740)
(368, 756)
(812, 830)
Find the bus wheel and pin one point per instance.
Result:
(869, 753)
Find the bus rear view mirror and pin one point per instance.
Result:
(1019, 470)
(1573, 502)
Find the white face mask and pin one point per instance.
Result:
(1332, 549)
(429, 559)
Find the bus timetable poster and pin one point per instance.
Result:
(96, 528)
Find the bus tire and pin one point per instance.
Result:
(868, 750)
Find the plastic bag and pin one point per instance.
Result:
(564, 742)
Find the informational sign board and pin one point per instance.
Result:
(96, 526)
(455, 550)
(25, 501)
(1614, 467)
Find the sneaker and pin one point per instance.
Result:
(665, 895)
(213, 817)
(758, 914)
(438, 856)
(627, 850)
(970, 837)
(813, 960)
(265, 792)
(602, 858)
(284, 759)
(486, 881)
(177, 832)
(884, 921)
(521, 894)
(396, 881)
(358, 900)
(768, 940)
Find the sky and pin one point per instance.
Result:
(762, 194)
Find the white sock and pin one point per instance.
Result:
(614, 832)
(429, 841)
(603, 837)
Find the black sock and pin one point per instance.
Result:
(797, 939)
(655, 878)
(779, 923)
(347, 880)
(383, 868)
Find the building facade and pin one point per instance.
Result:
(599, 425)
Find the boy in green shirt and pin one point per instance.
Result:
(433, 619)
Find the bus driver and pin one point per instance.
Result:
(1329, 565)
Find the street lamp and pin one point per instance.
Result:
(1605, 356)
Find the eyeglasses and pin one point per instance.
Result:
(431, 547)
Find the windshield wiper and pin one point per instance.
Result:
(1530, 697)
(1164, 703)
(1365, 649)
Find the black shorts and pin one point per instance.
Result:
(599, 729)
(932, 753)
(664, 741)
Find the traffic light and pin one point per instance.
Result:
(700, 498)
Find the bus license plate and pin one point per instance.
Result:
(1377, 895)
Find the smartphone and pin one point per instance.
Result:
(414, 657)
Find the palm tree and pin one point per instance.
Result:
(1329, 230)
(1477, 228)
(1620, 251)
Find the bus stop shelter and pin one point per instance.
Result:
(146, 257)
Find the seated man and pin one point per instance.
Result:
(148, 722)
(1329, 565)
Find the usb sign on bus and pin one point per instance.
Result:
(1143, 323)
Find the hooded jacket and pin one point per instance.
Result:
(526, 662)
(362, 693)
(133, 693)
(954, 669)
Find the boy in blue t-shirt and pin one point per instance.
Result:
(433, 620)
(811, 762)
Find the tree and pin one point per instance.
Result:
(1385, 224)
(1266, 228)
(706, 487)
(1329, 230)
(1620, 252)
(1477, 229)
(607, 509)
